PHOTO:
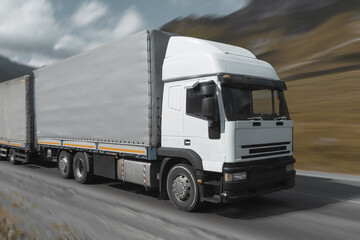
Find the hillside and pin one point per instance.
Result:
(10, 70)
(315, 47)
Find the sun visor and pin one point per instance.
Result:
(248, 82)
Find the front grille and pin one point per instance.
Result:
(265, 145)
(265, 150)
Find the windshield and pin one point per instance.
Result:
(247, 103)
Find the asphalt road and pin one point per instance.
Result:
(321, 206)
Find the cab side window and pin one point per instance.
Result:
(196, 97)
(194, 102)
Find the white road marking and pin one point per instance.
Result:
(334, 176)
(324, 197)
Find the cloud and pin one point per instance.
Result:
(41, 60)
(27, 29)
(94, 35)
(130, 22)
(32, 32)
(203, 7)
(88, 13)
(69, 45)
(235, 4)
(183, 3)
(26, 25)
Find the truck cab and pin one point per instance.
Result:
(226, 109)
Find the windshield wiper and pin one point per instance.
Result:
(256, 118)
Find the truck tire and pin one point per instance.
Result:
(182, 188)
(12, 157)
(81, 169)
(65, 165)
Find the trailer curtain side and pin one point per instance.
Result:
(16, 112)
(110, 94)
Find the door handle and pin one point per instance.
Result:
(187, 142)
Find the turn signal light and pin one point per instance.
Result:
(227, 76)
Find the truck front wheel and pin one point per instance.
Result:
(81, 169)
(182, 187)
(65, 164)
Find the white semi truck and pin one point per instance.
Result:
(199, 120)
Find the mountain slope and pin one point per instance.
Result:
(316, 43)
(10, 70)
(285, 32)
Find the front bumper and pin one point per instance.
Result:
(262, 177)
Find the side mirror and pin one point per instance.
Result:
(208, 108)
(207, 90)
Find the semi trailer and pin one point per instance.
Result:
(200, 121)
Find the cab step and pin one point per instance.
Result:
(214, 199)
(213, 183)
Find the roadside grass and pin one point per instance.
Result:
(8, 229)
(326, 114)
(10, 226)
(324, 99)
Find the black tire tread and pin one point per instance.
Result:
(88, 176)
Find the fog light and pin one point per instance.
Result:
(290, 167)
(229, 177)
(239, 176)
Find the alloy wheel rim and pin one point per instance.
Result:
(181, 187)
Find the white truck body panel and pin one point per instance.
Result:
(187, 56)
(177, 127)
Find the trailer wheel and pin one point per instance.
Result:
(81, 169)
(182, 188)
(12, 157)
(65, 165)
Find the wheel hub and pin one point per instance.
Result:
(63, 164)
(80, 168)
(181, 187)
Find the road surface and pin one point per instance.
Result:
(321, 206)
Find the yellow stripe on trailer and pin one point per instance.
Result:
(4, 143)
(16, 144)
(49, 143)
(77, 145)
(122, 150)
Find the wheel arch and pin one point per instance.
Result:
(192, 157)
(173, 156)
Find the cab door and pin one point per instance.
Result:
(201, 134)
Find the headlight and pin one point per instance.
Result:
(229, 177)
(290, 167)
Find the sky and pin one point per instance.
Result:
(42, 32)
